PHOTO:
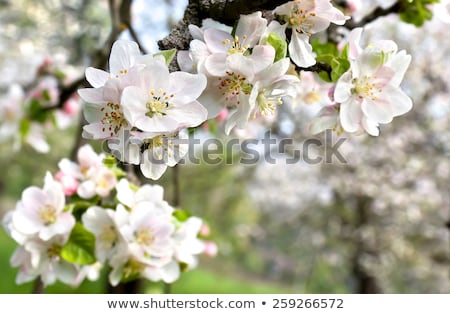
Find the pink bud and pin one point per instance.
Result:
(71, 107)
(205, 231)
(68, 183)
(211, 249)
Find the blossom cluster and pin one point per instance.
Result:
(67, 234)
(369, 93)
(26, 114)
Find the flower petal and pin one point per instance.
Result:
(350, 115)
(95, 77)
(301, 51)
(186, 87)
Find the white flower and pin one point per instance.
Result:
(307, 17)
(148, 234)
(187, 243)
(41, 212)
(103, 110)
(11, 111)
(124, 55)
(369, 93)
(38, 258)
(108, 240)
(147, 193)
(326, 118)
(163, 101)
(101, 182)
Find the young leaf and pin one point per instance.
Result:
(279, 44)
(79, 249)
(167, 54)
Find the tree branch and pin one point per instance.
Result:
(379, 12)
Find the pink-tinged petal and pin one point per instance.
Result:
(284, 9)
(177, 151)
(399, 102)
(123, 54)
(378, 110)
(198, 50)
(95, 77)
(262, 56)
(240, 64)
(325, 9)
(92, 112)
(112, 91)
(33, 198)
(151, 170)
(170, 272)
(95, 218)
(350, 115)
(216, 64)
(25, 224)
(188, 115)
(273, 72)
(327, 118)
(213, 101)
(97, 131)
(344, 85)
(185, 62)
(154, 76)
(371, 127)
(63, 226)
(65, 272)
(238, 118)
(133, 102)
(300, 50)
(86, 189)
(186, 87)
(92, 95)
(196, 32)
(399, 64)
(354, 39)
(252, 26)
(317, 24)
(216, 39)
(157, 124)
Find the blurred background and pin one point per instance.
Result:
(379, 223)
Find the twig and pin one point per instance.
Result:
(38, 287)
(379, 12)
(135, 37)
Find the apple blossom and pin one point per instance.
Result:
(41, 212)
(369, 93)
(186, 242)
(307, 17)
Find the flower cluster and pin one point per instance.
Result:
(104, 220)
(25, 115)
(246, 71)
(142, 106)
(369, 93)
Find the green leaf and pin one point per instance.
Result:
(37, 112)
(279, 44)
(416, 12)
(339, 66)
(80, 247)
(24, 128)
(181, 215)
(167, 54)
(344, 52)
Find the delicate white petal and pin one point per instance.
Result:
(96, 77)
(152, 170)
(123, 54)
(186, 87)
(252, 26)
(216, 64)
(133, 102)
(371, 127)
(188, 115)
(344, 85)
(215, 40)
(399, 63)
(300, 50)
(350, 115)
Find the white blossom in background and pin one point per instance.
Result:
(40, 213)
(307, 17)
(369, 93)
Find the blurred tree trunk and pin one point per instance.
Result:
(365, 282)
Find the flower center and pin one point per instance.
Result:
(48, 214)
(367, 87)
(300, 19)
(267, 104)
(232, 85)
(108, 235)
(236, 46)
(145, 237)
(54, 251)
(113, 118)
(158, 104)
